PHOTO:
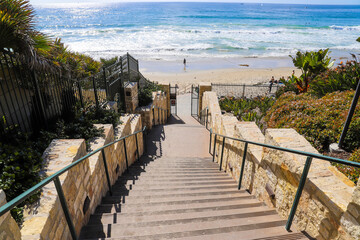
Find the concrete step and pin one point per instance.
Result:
(194, 205)
(173, 180)
(175, 184)
(203, 226)
(145, 189)
(182, 198)
(146, 217)
(173, 197)
(172, 193)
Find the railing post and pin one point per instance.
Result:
(350, 115)
(214, 147)
(128, 65)
(106, 171)
(95, 93)
(153, 113)
(137, 147)
(126, 157)
(106, 85)
(222, 153)
(144, 141)
(80, 94)
(298, 192)
(65, 208)
(207, 118)
(39, 95)
(242, 165)
(210, 142)
(243, 95)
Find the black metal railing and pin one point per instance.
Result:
(31, 99)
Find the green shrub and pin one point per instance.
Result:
(320, 121)
(80, 126)
(247, 109)
(344, 77)
(145, 93)
(20, 164)
(20, 154)
(311, 64)
(107, 62)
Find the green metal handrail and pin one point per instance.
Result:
(55, 178)
(304, 174)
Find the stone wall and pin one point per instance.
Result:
(9, 230)
(85, 184)
(151, 115)
(329, 207)
(166, 89)
(203, 87)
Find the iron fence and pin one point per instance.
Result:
(243, 90)
(31, 99)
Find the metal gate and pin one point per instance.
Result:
(195, 101)
(173, 100)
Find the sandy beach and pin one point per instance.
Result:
(219, 70)
(241, 76)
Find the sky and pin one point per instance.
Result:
(325, 2)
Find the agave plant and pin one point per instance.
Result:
(19, 35)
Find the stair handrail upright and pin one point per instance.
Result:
(55, 178)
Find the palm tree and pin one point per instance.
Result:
(18, 34)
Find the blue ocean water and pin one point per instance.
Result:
(201, 30)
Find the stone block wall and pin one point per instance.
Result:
(166, 89)
(9, 229)
(203, 87)
(151, 115)
(85, 184)
(131, 97)
(329, 207)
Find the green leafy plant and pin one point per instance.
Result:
(145, 93)
(75, 64)
(19, 35)
(320, 121)
(20, 163)
(100, 114)
(311, 64)
(247, 109)
(343, 77)
(108, 62)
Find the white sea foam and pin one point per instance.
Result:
(206, 38)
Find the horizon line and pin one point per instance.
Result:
(169, 1)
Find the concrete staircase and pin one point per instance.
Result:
(182, 198)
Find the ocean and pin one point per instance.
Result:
(170, 31)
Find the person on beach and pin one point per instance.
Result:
(271, 83)
(184, 64)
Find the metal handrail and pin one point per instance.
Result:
(304, 174)
(55, 177)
